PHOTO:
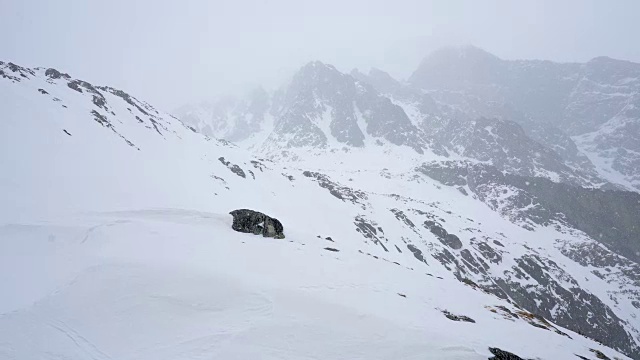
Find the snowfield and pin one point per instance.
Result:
(167, 284)
(116, 243)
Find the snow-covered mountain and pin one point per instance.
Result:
(471, 113)
(596, 103)
(320, 108)
(116, 238)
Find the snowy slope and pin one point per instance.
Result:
(169, 284)
(116, 243)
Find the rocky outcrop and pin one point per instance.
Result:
(503, 355)
(341, 192)
(233, 167)
(455, 317)
(254, 222)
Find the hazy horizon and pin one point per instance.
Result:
(176, 53)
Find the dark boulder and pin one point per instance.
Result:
(503, 355)
(254, 222)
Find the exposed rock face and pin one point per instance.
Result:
(506, 145)
(341, 192)
(450, 240)
(608, 216)
(455, 317)
(254, 222)
(554, 138)
(233, 167)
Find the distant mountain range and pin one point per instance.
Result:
(575, 123)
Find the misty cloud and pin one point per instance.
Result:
(174, 52)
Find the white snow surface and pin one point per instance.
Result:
(166, 284)
(112, 251)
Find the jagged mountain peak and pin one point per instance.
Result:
(321, 79)
(325, 108)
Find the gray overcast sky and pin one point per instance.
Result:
(173, 52)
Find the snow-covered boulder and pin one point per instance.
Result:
(249, 221)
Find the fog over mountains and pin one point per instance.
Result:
(480, 207)
(572, 123)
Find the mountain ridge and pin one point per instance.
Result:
(134, 190)
(580, 98)
(425, 121)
